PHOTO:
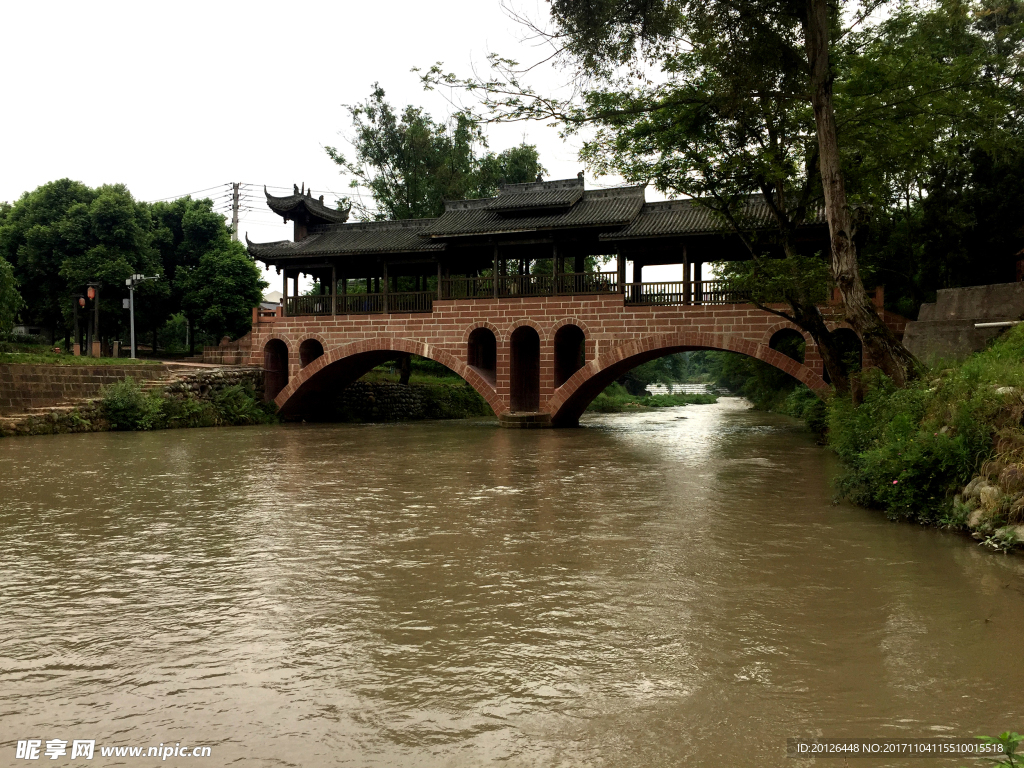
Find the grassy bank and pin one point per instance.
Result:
(948, 450)
(49, 358)
(615, 399)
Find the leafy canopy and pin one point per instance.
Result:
(412, 164)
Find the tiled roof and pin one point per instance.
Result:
(364, 237)
(603, 207)
(289, 205)
(689, 217)
(537, 195)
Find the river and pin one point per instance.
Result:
(659, 589)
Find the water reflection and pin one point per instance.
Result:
(660, 589)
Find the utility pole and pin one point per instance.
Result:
(235, 185)
(131, 282)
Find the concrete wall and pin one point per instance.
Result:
(945, 330)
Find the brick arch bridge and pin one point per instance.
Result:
(616, 337)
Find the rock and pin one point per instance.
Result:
(976, 519)
(1014, 532)
(973, 489)
(1006, 391)
(991, 498)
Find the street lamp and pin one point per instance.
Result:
(131, 282)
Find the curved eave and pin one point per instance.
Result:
(289, 205)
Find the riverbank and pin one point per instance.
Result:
(948, 450)
(227, 396)
(616, 399)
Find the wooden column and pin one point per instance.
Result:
(554, 269)
(687, 280)
(620, 267)
(698, 283)
(494, 270)
(438, 279)
(385, 288)
(334, 291)
(284, 300)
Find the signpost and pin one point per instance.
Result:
(132, 282)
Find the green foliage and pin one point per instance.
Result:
(663, 370)
(412, 164)
(907, 450)
(126, 406)
(452, 401)
(65, 234)
(928, 108)
(617, 399)
(50, 358)
(220, 292)
(238, 404)
(1009, 743)
(10, 299)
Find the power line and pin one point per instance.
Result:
(187, 194)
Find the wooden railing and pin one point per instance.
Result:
(360, 303)
(682, 293)
(467, 288)
(717, 292)
(524, 285)
(588, 282)
(417, 301)
(700, 292)
(308, 305)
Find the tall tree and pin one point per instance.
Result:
(221, 290)
(411, 164)
(65, 234)
(10, 299)
(719, 99)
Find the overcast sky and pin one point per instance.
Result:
(186, 97)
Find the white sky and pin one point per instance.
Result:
(173, 98)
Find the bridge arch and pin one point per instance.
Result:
(572, 398)
(570, 343)
(310, 348)
(482, 341)
(789, 337)
(276, 365)
(344, 364)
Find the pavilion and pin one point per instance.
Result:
(531, 239)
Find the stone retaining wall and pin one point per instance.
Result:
(38, 386)
(204, 383)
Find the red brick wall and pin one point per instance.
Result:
(614, 333)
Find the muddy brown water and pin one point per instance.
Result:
(661, 589)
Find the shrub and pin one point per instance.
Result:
(238, 404)
(127, 407)
(908, 450)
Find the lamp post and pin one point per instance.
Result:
(92, 290)
(132, 282)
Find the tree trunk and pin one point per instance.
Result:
(882, 347)
(191, 337)
(405, 368)
(808, 317)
